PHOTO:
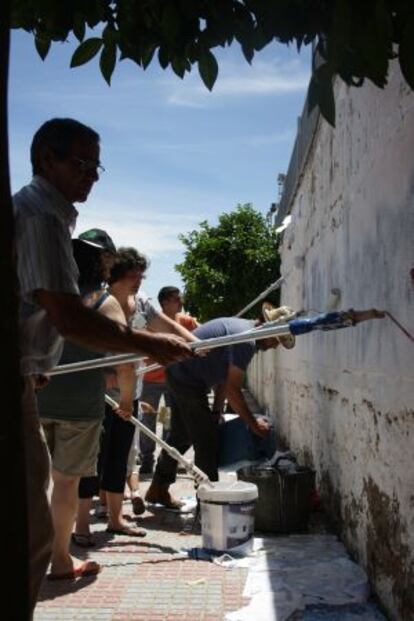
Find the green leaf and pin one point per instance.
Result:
(171, 22)
(406, 53)
(180, 65)
(107, 61)
(375, 44)
(110, 35)
(248, 51)
(147, 55)
(326, 99)
(321, 93)
(338, 38)
(208, 69)
(163, 56)
(86, 51)
(79, 26)
(42, 46)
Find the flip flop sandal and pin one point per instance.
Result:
(88, 568)
(83, 541)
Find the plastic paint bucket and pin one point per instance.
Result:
(227, 515)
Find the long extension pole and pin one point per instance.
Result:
(199, 475)
(273, 287)
(299, 326)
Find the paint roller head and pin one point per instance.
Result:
(282, 314)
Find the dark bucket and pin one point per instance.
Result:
(284, 502)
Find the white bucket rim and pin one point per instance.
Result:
(228, 492)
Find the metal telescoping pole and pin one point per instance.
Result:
(97, 363)
(262, 332)
(199, 475)
(324, 321)
(272, 287)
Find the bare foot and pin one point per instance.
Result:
(125, 529)
(65, 565)
(84, 570)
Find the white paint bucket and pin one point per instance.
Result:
(227, 515)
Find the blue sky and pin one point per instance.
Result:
(175, 154)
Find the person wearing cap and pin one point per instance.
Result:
(65, 156)
(71, 410)
(193, 423)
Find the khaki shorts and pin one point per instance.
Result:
(73, 445)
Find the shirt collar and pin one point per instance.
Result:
(59, 205)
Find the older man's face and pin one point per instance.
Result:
(75, 175)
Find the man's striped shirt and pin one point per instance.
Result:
(44, 222)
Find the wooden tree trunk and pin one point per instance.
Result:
(13, 512)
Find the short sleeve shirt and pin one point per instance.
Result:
(212, 369)
(44, 222)
(144, 313)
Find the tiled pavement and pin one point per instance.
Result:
(142, 579)
(151, 579)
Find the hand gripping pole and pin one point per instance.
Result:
(191, 468)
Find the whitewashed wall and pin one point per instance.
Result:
(344, 400)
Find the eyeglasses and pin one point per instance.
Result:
(87, 166)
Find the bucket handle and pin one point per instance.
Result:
(289, 457)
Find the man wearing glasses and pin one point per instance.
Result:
(65, 161)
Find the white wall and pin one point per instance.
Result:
(344, 400)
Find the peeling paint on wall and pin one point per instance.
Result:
(343, 401)
(387, 555)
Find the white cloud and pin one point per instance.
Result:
(153, 233)
(262, 78)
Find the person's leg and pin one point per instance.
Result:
(166, 468)
(75, 453)
(40, 527)
(167, 401)
(88, 488)
(118, 437)
(151, 393)
(132, 481)
(64, 506)
(82, 526)
(202, 428)
(200, 425)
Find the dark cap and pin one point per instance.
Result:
(99, 239)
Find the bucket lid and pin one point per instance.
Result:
(228, 491)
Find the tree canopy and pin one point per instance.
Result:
(228, 265)
(355, 39)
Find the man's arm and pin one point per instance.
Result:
(233, 392)
(85, 326)
(162, 323)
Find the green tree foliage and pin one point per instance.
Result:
(226, 266)
(355, 38)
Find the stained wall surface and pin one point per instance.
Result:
(344, 400)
